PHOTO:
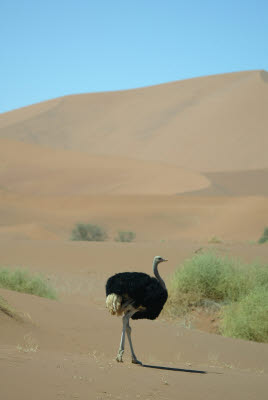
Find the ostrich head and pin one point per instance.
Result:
(159, 259)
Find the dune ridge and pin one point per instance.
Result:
(214, 123)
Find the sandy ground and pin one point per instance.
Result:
(177, 164)
(66, 349)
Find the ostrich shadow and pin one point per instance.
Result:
(190, 371)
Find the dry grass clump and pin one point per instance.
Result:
(88, 232)
(125, 236)
(215, 240)
(222, 282)
(6, 308)
(21, 280)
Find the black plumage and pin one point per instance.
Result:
(144, 290)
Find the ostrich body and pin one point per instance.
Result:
(135, 295)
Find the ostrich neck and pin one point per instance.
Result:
(155, 269)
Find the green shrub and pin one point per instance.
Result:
(88, 232)
(22, 281)
(125, 236)
(264, 237)
(208, 276)
(239, 289)
(247, 318)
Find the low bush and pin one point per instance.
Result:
(125, 236)
(21, 280)
(224, 282)
(247, 318)
(88, 232)
(208, 276)
(264, 237)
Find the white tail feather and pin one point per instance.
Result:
(114, 303)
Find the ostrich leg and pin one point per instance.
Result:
(134, 358)
(120, 353)
(125, 319)
(125, 329)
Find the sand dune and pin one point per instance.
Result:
(61, 159)
(214, 123)
(32, 169)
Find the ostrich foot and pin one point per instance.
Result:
(135, 361)
(119, 357)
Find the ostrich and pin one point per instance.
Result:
(135, 295)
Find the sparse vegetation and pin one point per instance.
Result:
(21, 280)
(6, 308)
(247, 318)
(215, 240)
(125, 236)
(29, 345)
(264, 237)
(88, 232)
(208, 280)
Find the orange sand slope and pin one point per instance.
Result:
(151, 217)
(32, 169)
(214, 123)
(61, 161)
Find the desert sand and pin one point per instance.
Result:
(177, 164)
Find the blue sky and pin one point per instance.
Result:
(54, 48)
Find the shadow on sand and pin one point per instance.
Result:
(190, 371)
